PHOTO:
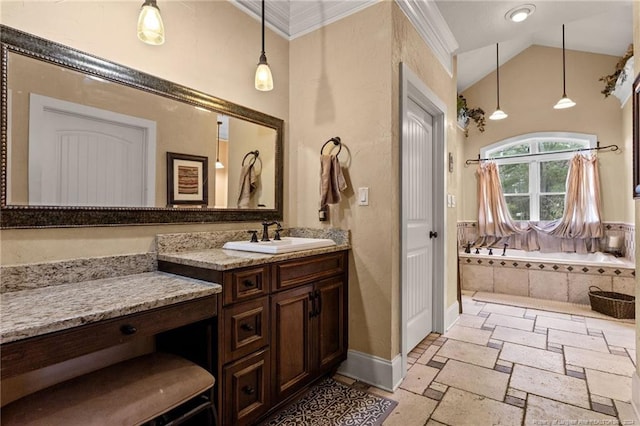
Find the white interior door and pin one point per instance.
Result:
(417, 178)
(83, 156)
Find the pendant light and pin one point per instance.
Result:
(264, 80)
(565, 101)
(219, 164)
(150, 26)
(498, 114)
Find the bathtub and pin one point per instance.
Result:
(564, 277)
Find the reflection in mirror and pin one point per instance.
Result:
(91, 142)
(88, 148)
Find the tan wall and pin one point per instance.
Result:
(347, 85)
(342, 86)
(199, 53)
(528, 91)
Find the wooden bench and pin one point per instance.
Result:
(128, 393)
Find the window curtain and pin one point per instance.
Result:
(494, 221)
(579, 230)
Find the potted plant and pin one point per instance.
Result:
(465, 114)
(611, 80)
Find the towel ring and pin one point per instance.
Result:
(336, 142)
(253, 160)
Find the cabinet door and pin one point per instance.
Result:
(290, 340)
(331, 323)
(246, 389)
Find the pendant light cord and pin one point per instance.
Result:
(564, 80)
(497, 77)
(263, 27)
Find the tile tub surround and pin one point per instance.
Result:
(468, 231)
(561, 281)
(38, 311)
(204, 249)
(35, 275)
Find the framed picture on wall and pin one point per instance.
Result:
(636, 137)
(186, 180)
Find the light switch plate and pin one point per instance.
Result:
(363, 196)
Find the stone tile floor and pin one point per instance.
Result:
(513, 365)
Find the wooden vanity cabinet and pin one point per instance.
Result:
(308, 334)
(283, 325)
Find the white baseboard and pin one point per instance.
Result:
(378, 372)
(635, 396)
(451, 315)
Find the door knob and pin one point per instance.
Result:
(433, 234)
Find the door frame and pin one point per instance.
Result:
(412, 88)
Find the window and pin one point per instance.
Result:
(533, 171)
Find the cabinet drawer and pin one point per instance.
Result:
(37, 352)
(245, 284)
(246, 389)
(290, 273)
(246, 328)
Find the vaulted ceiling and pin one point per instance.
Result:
(604, 27)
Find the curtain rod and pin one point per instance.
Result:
(613, 147)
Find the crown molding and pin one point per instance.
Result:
(276, 14)
(308, 16)
(293, 19)
(430, 24)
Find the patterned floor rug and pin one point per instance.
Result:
(332, 403)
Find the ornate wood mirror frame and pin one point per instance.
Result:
(25, 216)
(636, 137)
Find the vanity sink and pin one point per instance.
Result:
(285, 245)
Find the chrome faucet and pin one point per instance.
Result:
(265, 230)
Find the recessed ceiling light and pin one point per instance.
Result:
(520, 13)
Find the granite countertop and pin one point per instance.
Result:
(222, 259)
(33, 312)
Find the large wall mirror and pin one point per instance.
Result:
(88, 142)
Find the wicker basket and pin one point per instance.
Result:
(614, 304)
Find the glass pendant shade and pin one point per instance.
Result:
(264, 79)
(565, 101)
(219, 165)
(150, 26)
(498, 115)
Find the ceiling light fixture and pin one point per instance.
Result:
(565, 101)
(520, 13)
(264, 79)
(150, 26)
(498, 114)
(219, 164)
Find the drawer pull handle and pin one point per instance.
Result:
(128, 329)
(248, 283)
(247, 327)
(248, 390)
